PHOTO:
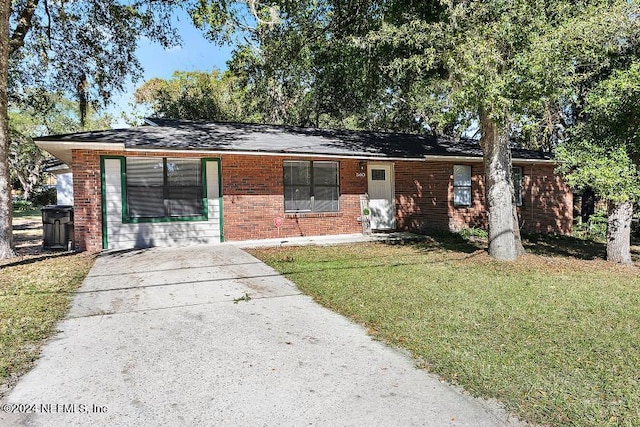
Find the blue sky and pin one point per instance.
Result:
(195, 54)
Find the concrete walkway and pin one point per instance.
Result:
(166, 337)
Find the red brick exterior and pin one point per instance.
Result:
(253, 195)
(424, 199)
(87, 200)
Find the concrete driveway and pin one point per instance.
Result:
(165, 337)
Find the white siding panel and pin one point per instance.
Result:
(146, 234)
(64, 189)
(213, 192)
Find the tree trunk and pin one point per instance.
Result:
(6, 230)
(516, 232)
(499, 189)
(619, 232)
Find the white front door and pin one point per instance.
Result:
(381, 196)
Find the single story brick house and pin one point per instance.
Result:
(175, 182)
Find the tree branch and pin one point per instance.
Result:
(46, 9)
(24, 25)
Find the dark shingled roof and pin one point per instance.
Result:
(216, 136)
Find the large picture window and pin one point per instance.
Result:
(311, 186)
(164, 188)
(461, 185)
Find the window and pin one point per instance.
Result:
(164, 188)
(461, 185)
(311, 186)
(378, 174)
(516, 177)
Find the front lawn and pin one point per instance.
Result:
(34, 295)
(555, 338)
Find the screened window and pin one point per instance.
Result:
(516, 176)
(461, 185)
(164, 187)
(311, 186)
(378, 174)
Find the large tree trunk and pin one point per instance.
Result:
(619, 232)
(499, 185)
(6, 238)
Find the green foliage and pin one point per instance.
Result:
(54, 114)
(594, 229)
(43, 196)
(474, 233)
(612, 108)
(603, 152)
(194, 95)
(84, 49)
(608, 170)
(21, 205)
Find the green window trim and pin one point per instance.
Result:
(127, 219)
(123, 190)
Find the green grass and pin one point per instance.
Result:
(555, 339)
(32, 214)
(34, 295)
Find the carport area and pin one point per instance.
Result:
(209, 335)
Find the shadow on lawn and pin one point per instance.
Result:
(566, 246)
(23, 260)
(441, 241)
(537, 244)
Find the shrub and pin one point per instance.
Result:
(22, 205)
(474, 232)
(595, 228)
(43, 196)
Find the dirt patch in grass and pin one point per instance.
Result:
(27, 239)
(555, 336)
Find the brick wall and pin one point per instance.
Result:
(252, 188)
(253, 194)
(424, 199)
(87, 200)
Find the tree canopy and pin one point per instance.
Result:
(82, 49)
(602, 153)
(195, 95)
(58, 115)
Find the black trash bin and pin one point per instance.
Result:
(57, 227)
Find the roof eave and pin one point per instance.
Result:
(479, 159)
(62, 149)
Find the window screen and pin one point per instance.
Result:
(163, 187)
(311, 186)
(461, 185)
(516, 176)
(378, 174)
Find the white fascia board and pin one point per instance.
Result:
(267, 153)
(62, 149)
(479, 159)
(336, 156)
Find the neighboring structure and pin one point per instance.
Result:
(184, 182)
(63, 180)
